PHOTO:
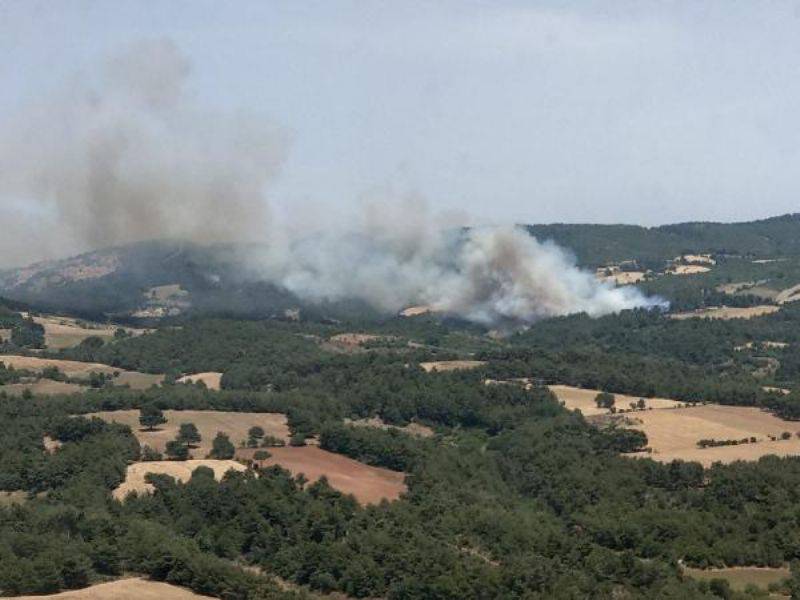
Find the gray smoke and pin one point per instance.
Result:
(129, 156)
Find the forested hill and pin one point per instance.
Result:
(596, 245)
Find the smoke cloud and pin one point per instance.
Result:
(129, 156)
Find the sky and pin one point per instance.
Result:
(502, 112)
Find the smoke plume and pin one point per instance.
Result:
(129, 155)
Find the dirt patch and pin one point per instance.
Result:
(741, 577)
(776, 390)
(50, 445)
(673, 434)
(212, 380)
(43, 387)
(727, 312)
(699, 258)
(584, 400)
(368, 484)
(442, 366)
(5, 336)
(208, 423)
(414, 429)
(126, 589)
(180, 470)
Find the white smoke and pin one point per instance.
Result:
(489, 275)
(129, 156)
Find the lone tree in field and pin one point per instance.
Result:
(177, 450)
(150, 417)
(188, 434)
(222, 447)
(605, 400)
(254, 434)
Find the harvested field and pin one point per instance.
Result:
(212, 380)
(764, 344)
(43, 387)
(5, 335)
(451, 365)
(688, 270)
(776, 390)
(66, 332)
(583, 400)
(412, 428)
(126, 589)
(741, 577)
(791, 294)
(673, 434)
(368, 484)
(727, 312)
(179, 469)
(80, 370)
(208, 422)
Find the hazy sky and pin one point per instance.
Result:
(527, 111)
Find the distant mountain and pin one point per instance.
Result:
(158, 279)
(147, 279)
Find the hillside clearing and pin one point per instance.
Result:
(728, 312)
(415, 429)
(126, 589)
(673, 434)
(688, 270)
(81, 370)
(66, 332)
(179, 469)
(211, 379)
(741, 577)
(368, 484)
(443, 366)
(584, 400)
(208, 422)
(43, 387)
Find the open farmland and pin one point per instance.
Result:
(728, 312)
(126, 589)
(66, 332)
(450, 365)
(5, 335)
(179, 469)
(208, 422)
(673, 434)
(584, 400)
(212, 380)
(688, 270)
(81, 370)
(368, 484)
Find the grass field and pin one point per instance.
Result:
(584, 400)
(208, 423)
(66, 332)
(673, 434)
(741, 577)
(126, 589)
(368, 484)
(180, 470)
